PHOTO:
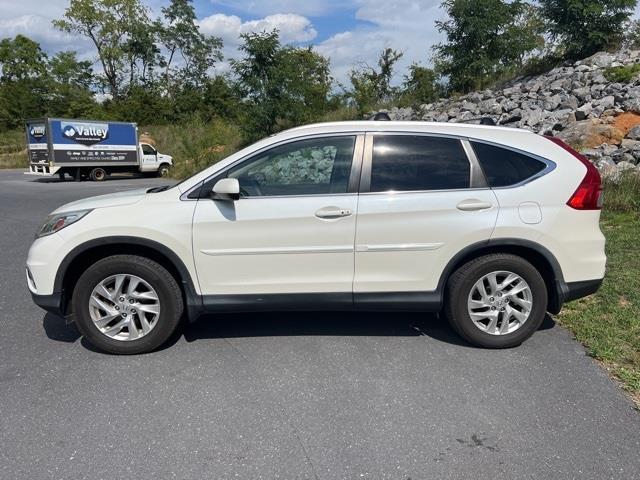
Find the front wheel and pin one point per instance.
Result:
(127, 304)
(163, 170)
(496, 301)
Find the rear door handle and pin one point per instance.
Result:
(333, 212)
(472, 205)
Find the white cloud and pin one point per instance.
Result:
(292, 27)
(40, 29)
(301, 7)
(406, 25)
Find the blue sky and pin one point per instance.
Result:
(348, 32)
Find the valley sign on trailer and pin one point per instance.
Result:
(90, 149)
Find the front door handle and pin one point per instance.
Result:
(333, 212)
(472, 205)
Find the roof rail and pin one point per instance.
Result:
(480, 120)
(381, 117)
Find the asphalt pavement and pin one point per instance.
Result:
(291, 395)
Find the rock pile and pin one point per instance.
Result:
(575, 102)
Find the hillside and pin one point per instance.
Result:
(593, 104)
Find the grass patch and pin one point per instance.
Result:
(608, 323)
(622, 74)
(195, 145)
(13, 149)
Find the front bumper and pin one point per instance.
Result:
(51, 303)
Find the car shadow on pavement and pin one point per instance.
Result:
(371, 324)
(109, 178)
(270, 324)
(57, 328)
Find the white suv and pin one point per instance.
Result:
(494, 226)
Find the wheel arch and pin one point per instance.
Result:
(82, 256)
(539, 256)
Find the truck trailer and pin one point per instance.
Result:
(90, 149)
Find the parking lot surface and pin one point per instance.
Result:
(291, 395)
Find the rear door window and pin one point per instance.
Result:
(418, 162)
(503, 167)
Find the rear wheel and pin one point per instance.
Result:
(98, 174)
(127, 304)
(496, 301)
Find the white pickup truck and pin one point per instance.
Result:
(90, 149)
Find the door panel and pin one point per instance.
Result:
(149, 158)
(293, 229)
(404, 240)
(407, 234)
(274, 245)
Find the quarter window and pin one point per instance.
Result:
(503, 167)
(306, 167)
(418, 162)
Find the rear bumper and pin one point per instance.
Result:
(566, 292)
(42, 170)
(574, 290)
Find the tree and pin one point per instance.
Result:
(21, 58)
(371, 87)
(23, 80)
(485, 39)
(70, 86)
(632, 37)
(119, 29)
(181, 37)
(308, 84)
(584, 27)
(420, 86)
(280, 86)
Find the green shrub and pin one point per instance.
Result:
(622, 74)
(195, 144)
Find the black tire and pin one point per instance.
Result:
(461, 283)
(98, 174)
(165, 285)
(163, 170)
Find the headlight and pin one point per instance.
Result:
(58, 221)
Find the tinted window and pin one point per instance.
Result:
(306, 167)
(409, 163)
(504, 167)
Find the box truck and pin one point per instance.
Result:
(90, 149)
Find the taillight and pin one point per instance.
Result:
(588, 195)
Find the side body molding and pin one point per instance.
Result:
(425, 301)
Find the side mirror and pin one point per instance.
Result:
(226, 189)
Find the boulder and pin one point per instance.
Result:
(634, 133)
(590, 133)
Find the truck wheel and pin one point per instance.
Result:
(163, 170)
(98, 174)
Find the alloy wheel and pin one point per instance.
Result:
(500, 303)
(124, 307)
